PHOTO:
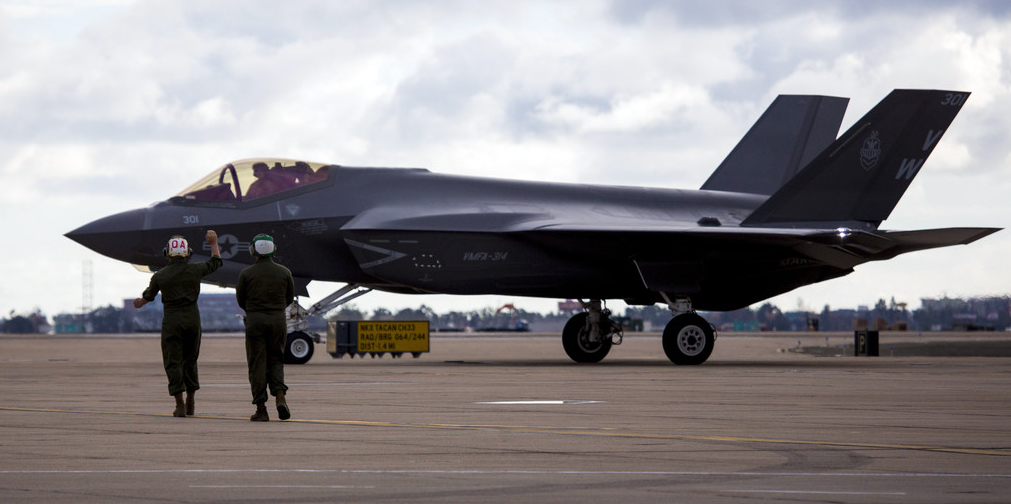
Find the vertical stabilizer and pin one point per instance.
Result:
(791, 132)
(859, 179)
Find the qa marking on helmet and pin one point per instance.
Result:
(177, 247)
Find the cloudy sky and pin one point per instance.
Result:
(109, 105)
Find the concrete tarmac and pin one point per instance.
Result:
(510, 419)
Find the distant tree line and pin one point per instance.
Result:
(34, 322)
(982, 313)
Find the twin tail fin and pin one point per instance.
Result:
(858, 179)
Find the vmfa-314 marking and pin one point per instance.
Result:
(790, 206)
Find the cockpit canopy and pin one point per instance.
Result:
(251, 179)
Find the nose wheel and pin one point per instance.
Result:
(298, 349)
(580, 343)
(587, 337)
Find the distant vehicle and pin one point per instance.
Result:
(514, 325)
(790, 206)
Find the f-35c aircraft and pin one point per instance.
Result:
(790, 206)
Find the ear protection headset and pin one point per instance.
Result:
(177, 247)
(262, 246)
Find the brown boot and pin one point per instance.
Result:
(282, 406)
(261, 413)
(190, 403)
(180, 410)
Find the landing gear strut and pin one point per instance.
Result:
(299, 347)
(588, 336)
(688, 338)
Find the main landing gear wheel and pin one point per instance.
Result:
(298, 349)
(577, 343)
(688, 339)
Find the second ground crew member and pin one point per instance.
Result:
(264, 290)
(179, 283)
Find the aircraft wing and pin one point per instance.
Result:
(841, 248)
(874, 245)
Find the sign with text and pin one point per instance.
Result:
(393, 336)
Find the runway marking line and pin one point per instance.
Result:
(230, 487)
(811, 492)
(518, 472)
(603, 432)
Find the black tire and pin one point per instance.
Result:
(688, 339)
(298, 349)
(576, 344)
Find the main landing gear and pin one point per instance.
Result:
(688, 338)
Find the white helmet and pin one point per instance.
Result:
(177, 247)
(262, 245)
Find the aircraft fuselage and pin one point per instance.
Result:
(396, 230)
(790, 206)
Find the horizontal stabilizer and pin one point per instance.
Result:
(910, 241)
(846, 249)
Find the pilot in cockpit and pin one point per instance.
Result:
(266, 183)
(232, 182)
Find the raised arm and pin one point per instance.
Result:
(212, 238)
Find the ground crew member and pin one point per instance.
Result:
(264, 290)
(179, 283)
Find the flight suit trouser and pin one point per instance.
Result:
(266, 335)
(180, 349)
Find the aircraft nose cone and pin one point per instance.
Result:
(111, 236)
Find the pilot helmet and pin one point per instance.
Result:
(262, 246)
(177, 247)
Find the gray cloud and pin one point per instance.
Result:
(732, 13)
(112, 107)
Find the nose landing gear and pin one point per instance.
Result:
(588, 336)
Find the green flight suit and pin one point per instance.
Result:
(179, 283)
(264, 290)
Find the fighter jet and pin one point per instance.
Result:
(790, 206)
